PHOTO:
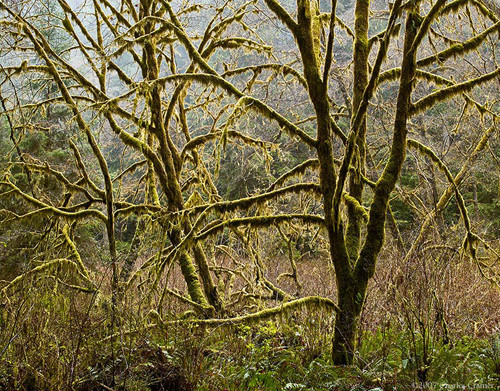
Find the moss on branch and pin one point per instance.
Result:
(305, 302)
(74, 251)
(295, 172)
(257, 69)
(258, 222)
(246, 203)
(426, 151)
(46, 209)
(448, 92)
(48, 268)
(459, 48)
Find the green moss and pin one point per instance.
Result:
(460, 48)
(447, 93)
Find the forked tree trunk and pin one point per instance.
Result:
(207, 294)
(352, 284)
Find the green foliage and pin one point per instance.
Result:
(35, 143)
(402, 213)
(241, 173)
(467, 361)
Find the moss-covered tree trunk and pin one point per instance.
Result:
(172, 164)
(352, 292)
(360, 81)
(349, 298)
(353, 271)
(346, 322)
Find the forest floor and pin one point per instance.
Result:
(431, 324)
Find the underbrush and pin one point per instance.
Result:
(418, 333)
(53, 344)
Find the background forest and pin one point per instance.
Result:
(249, 195)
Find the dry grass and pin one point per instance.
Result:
(54, 338)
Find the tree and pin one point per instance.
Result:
(186, 95)
(46, 138)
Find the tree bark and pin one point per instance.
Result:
(352, 291)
